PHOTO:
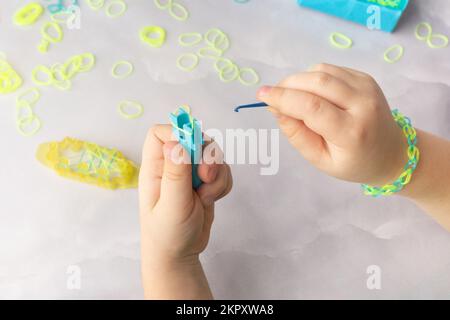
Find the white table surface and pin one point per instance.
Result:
(298, 234)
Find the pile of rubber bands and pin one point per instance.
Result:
(60, 75)
(217, 43)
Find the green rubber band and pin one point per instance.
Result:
(232, 69)
(217, 39)
(133, 104)
(206, 53)
(84, 67)
(421, 25)
(45, 34)
(123, 7)
(220, 60)
(396, 58)
(28, 15)
(444, 43)
(163, 6)
(22, 123)
(22, 98)
(43, 69)
(196, 36)
(146, 33)
(23, 110)
(430, 36)
(128, 64)
(188, 68)
(253, 74)
(95, 4)
(184, 13)
(346, 43)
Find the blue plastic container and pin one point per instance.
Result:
(357, 10)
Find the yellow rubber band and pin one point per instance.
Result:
(429, 36)
(209, 53)
(22, 125)
(129, 71)
(42, 69)
(134, 105)
(109, 6)
(217, 39)
(232, 71)
(252, 73)
(146, 35)
(29, 14)
(183, 13)
(86, 66)
(95, 4)
(400, 51)
(346, 42)
(24, 96)
(55, 26)
(185, 56)
(195, 36)
(226, 63)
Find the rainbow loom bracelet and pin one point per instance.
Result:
(410, 167)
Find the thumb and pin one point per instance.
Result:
(176, 183)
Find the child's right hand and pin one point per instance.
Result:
(340, 121)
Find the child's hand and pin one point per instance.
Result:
(175, 219)
(340, 121)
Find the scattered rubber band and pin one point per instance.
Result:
(10, 80)
(22, 98)
(428, 38)
(134, 105)
(188, 68)
(109, 6)
(118, 64)
(252, 73)
(173, 7)
(95, 4)
(47, 38)
(400, 51)
(146, 35)
(44, 70)
(346, 42)
(196, 36)
(233, 70)
(209, 53)
(29, 14)
(23, 123)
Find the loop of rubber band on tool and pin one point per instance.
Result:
(95, 4)
(134, 105)
(346, 43)
(250, 71)
(129, 70)
(122, 9)
(188, 68)
(29, 14)
(146, 36)
(196, 36)
(396, 58)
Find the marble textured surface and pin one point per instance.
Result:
(296, 235)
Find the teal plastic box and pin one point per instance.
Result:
(357, 10)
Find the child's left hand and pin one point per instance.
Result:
(175, 219)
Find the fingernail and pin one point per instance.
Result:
(263, 91)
